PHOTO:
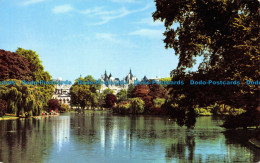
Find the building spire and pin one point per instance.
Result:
(105, 73)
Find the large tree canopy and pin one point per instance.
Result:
(24, 65)
(83, 93)
(14, 66)
(38, 72)
(225, 33)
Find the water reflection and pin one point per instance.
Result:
(21, 139)
(61, 131)
(103, 137)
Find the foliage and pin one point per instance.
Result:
(64, 108)
(148, 93)
(137, 105)
(140, 90)
(226, 110)
(203, 111)
(157, 91)
(123, 107)
(14, 66)
(158, 102)
(156, 109)
(84, 94)
(166, 80)
(122, 95)
(132, 106)
(225, 34)
(22, 98)
(3, 107)
(38, 73)
(108, 91)
(53, 104)
(110, 100)
(130, 90)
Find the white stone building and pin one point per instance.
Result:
(116, 84)
(61, 93)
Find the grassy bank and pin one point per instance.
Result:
(7, 117)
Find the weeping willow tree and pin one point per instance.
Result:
(38, 73)
(24, 65)
(22, 98)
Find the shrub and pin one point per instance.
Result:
(110, 100)
(158, 102)
(122, 107)
(137, 105)
(53, 104)
(64, 108)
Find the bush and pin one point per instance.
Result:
(137, 105)
(64, 108)
(110, 100)
(226, 110)
(122, 107)
(53, 104)
(203, 110)
(158, 102)
(134, 106)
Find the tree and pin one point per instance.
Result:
(123, 107)
(14, 66)
(226, 35)
(84, 95)
(157, 91)
(24, 65)
(141, 90)
(110, 100)
(38, 72)
(130, 90)
(22, 98)
(3, 107)
(148, 93)
(53, 104)
(137, 105)
(108, 91)
(122, 95)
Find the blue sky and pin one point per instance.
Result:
(86, 37)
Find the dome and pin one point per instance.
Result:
(59, 79)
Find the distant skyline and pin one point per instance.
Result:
(88, 36)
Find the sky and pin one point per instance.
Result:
(87, 37)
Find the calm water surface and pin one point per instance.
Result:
(104, 137)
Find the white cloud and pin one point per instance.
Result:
(106, 16)
(28, 2)
(62, 9)
(150, 33)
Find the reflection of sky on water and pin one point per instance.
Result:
(61, 131)
(103, 137)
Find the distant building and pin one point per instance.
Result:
(116, 84)
(61, 93)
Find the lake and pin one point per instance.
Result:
(105, 137)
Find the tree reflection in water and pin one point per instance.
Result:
(183, 146)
